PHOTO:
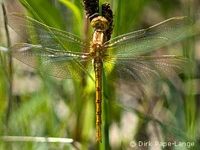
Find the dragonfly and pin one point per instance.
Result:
(123, 58)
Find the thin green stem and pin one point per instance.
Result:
(105, 118)
(10, 68)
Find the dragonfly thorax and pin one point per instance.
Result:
(100, 25)
(97, 44)
(97, 51)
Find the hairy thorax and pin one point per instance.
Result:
(100, 25)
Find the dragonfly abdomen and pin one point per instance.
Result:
(98, 64)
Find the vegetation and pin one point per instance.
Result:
(43, 106)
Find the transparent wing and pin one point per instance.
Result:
(36, 32)
(146, 40)
(143, 69)
(61, 64)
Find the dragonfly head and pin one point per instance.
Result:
(100, 23)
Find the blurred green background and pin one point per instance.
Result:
(50, 107)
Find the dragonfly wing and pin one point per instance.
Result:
(37, 32)
(146, 40)
(143, 69)
(61, 64)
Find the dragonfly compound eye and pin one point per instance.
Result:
(99, 23)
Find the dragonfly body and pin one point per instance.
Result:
(64, 55)
(97, 52)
